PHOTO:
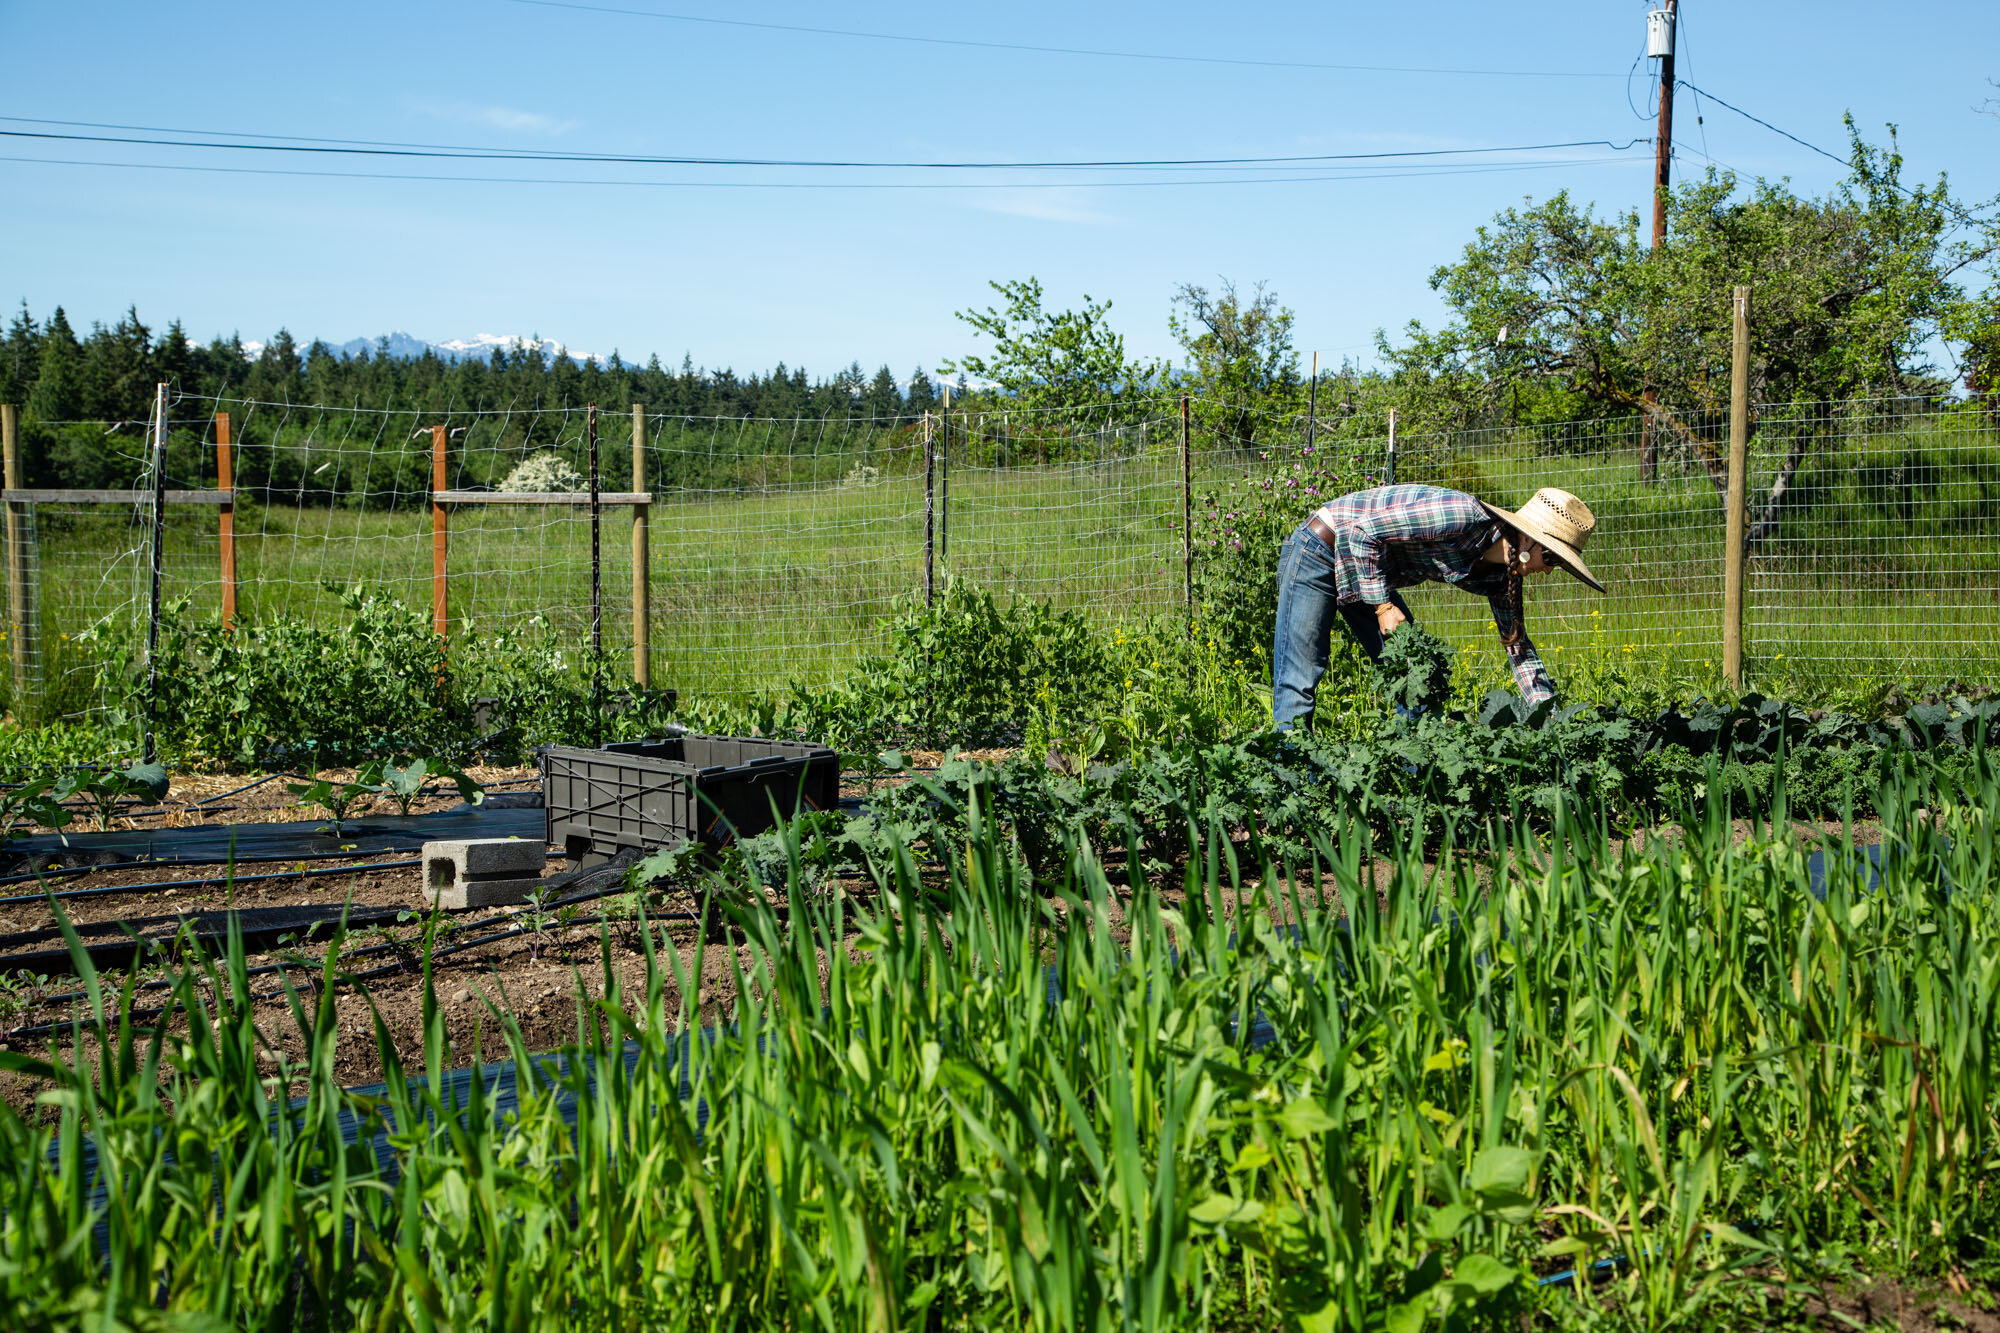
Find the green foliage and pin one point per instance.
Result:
(1848, 292)
(105, 788)
(337, 796)
(1058, 361)
(1242, 368)
(405, 782)
(1239, 530)
(1414, 671)
(58, 747)
(37, 801)
(1383, 1088)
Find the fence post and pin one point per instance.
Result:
(642, 598)
(596, 579)
(930, 516)
(151, 748)
(1736, 520)
(440, 534)
(1389, 469)
(1187, 519)
(1312, 403)
(21, 627)
(225, 480)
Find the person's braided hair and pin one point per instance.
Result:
(1513, 634)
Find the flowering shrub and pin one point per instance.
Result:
(1239, 528)
(545, 471)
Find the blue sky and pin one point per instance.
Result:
(747, 266)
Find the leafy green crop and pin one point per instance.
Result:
(1414, 671)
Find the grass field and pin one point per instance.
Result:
(1886, 566)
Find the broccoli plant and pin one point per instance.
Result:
(107, 788)
(405, 782)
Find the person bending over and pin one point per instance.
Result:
(1347, 561)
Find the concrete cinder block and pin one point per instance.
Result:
(481, 893)
(481, 872)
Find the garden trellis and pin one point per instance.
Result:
(770, 551)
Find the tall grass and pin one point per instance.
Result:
(971, 1099)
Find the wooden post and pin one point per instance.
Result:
(151, 744)
(1737, 520)
(1187, 518)
(642, 599)
(440, 530)
(225, 481)
(20, 597)
(1389, 472)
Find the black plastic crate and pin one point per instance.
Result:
(661, 793)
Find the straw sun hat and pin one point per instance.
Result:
(1560, 522)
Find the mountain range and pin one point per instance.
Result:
(408, 347)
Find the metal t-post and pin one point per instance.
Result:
(596, 580)
(642, 604)
(1187, 518)
(930, 516)
(159, 550)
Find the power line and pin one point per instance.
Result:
(1096, 52)
(385, 149)
(1940, 200)
(1703, 92)
(1414, 172)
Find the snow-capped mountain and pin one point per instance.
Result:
(478, 347)
(408, 347)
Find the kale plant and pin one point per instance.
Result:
(1414, 671)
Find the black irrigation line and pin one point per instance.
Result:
(265, 969)
(205, 882)
(210, 881)
(265, 858)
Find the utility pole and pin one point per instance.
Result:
(1660, 25)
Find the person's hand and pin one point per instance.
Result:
(1388, 616)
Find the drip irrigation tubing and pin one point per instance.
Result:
(205, 882)
(587, 895)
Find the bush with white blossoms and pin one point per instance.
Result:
(544, 471)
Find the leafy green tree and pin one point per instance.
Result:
(923, 393)
(1242, 366)
(1572, 313)
(1068, 359)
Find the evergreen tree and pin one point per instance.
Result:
(20, 357)
(923, 393)
(58, 391)
(884, 399)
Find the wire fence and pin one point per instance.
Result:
(777, 549)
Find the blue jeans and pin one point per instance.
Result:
(1308, 605)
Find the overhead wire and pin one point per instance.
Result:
(1414, 172)
(243, 143)
(1038, 49)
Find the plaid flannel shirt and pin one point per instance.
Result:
(1400, 536)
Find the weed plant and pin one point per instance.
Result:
(976, 1098)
